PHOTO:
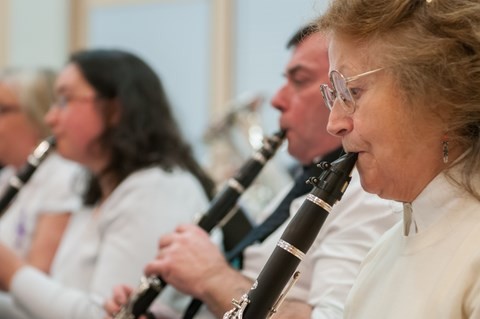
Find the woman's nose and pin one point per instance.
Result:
(339, 122)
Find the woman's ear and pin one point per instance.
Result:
(112, 112)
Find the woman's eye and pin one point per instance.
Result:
(356, 92)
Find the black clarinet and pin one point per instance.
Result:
(220, 206)
(265, 296)
(17, 181)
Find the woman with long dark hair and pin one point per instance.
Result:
(112, 116)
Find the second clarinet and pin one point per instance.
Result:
(16, 182)
(220, 206)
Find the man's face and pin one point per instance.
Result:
(304, 115)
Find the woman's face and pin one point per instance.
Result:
(18, 135)
(399, 152)
(76, 121)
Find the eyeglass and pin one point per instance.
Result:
(61, 101)
(341, 90)
(7, 109)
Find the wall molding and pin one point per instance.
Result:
(222, 57)
(4, 31)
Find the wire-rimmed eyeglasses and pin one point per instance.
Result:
(341, 90)
(61, 101)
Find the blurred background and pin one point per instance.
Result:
(220, 60)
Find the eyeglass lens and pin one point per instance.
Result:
(328, 96)
(343, 92)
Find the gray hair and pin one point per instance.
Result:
(35, 91)
(432, 50)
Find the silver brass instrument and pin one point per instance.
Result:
(17, 181)
(267, 292)
(232, 138)
(220, 206)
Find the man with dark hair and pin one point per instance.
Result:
(190, 262)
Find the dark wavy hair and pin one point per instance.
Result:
(145, 133)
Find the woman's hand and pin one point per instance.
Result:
(121, 295)
(10, 264)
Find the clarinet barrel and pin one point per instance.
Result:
(263, 299)
(228, 197)
(220, 206)
(17, 181)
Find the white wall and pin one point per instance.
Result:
(38, 33)
(175, 37)
(263, 29)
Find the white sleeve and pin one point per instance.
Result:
(122, 243)
(8, 309)
(41, 297)
(50, 190)
(58, 183)
(128, 242)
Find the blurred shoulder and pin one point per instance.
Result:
(56, 165)
(161, 178)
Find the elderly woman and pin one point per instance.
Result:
(33, 222)
(404, 94)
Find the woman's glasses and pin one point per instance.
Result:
(341, 90)
(61, 101)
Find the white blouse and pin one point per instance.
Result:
(110, 247)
